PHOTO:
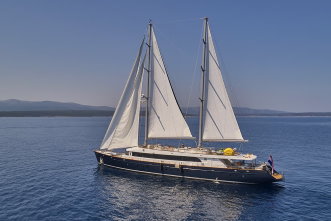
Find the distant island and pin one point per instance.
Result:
(19, 108)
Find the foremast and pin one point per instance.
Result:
(164, 119)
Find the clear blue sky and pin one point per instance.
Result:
(275, 54)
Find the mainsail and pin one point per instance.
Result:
(165, 118)
(123, 129)
(219, 121)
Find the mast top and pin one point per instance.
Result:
(205, 18)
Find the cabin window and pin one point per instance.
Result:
(241, 163)
(166, 157)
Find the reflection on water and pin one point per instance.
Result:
(128, 195)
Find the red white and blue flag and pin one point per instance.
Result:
(271, 162)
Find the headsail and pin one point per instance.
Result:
(220, 123)
(165, 117)
(123, 128)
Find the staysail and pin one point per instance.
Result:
(123, 129)
(219, 121)
(166, 120)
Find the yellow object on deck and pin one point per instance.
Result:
(229, 151)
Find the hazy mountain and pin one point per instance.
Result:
(19, 105)
(51, 106)
(238, 111)
(250, 111)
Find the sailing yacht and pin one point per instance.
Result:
(164, 120)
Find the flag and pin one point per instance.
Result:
(271, 162)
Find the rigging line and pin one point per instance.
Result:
(170, 39)
(194, 75)
(179, 49)
(177, 21)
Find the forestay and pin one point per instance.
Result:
(123, 129)
(165, 118)
(220, 123)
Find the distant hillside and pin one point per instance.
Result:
(250, 111)
(19, 105)
(19, 108)
(238, 111)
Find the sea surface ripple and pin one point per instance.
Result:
(49, 172)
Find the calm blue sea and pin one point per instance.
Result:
(49, 172)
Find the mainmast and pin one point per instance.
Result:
(203, 72)
(149, 44)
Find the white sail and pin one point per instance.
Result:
(220, 123)
(123, 128)
(165, 118)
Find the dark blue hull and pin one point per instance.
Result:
(250, 176)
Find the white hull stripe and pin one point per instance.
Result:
(162, 174)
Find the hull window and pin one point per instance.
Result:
(166, 157)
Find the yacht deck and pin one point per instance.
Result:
(190, 151)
